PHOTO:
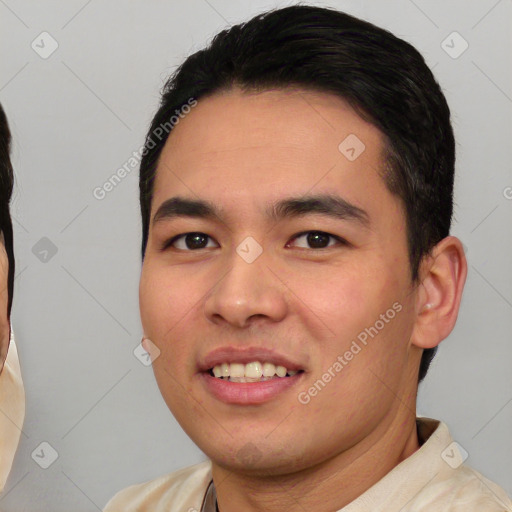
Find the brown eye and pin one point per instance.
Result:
(317, 239)
(189, 241)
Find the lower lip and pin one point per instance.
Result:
(248, 393)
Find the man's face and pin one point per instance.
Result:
(300, 304)
(4, 296)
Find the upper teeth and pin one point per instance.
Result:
(253, 370)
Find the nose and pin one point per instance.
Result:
(248, 293)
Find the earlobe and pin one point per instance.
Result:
(5, 328)
(440, 292)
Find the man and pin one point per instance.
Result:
(298, 272)
(12, 395)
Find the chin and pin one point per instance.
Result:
(254, 458)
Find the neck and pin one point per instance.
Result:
(330, 485)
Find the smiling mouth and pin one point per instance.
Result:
(254, 371)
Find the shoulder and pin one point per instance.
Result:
(182, 491)
(472, 491)
(435, 478)
(455, 483)
(462, 490)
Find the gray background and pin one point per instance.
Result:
(77, 117)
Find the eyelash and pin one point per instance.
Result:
(169, 242)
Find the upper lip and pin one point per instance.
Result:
(244, 355)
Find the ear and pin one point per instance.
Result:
(442, 278)
(5, 328)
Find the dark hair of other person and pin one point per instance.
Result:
(384, 78)
(6, 185)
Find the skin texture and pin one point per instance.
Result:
(4, 321)
(243, 151)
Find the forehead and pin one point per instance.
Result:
(247, 148)
(291, 118)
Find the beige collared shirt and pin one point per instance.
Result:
(12, 410)
(432, 479)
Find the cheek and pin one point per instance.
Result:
(162, 298)
(151, 307)
(347, 298)
(363, 304)
(165, 306)
(167, 302)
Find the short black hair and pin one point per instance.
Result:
(6, 185)
(383, 77)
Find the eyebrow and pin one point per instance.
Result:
(324, 204)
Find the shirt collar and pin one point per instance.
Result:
(210, 499)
